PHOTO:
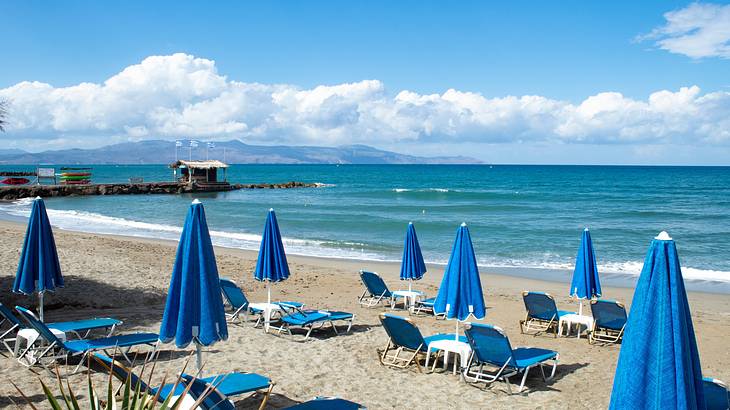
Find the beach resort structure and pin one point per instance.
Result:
(204, 174)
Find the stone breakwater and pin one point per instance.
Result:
(11, 193)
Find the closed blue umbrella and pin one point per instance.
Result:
(586, 284)
(659, 366)
(271, 265)
(38, 269)
(412, 267)
(460, 294)
(194, 310)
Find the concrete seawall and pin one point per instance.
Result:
(11, 193)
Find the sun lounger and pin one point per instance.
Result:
(75, 327)
(55, 348)
(327, 403)
(542, 313)
(717, 397)
(376, 290)
(609, 321)
(217, 388)
(490, 346)
(427, 306)
(314, 319)
(404, 337)
(238, 301)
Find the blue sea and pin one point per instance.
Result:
(524, 220)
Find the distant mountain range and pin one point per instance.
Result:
(236, 152)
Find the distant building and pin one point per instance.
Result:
(201, 173)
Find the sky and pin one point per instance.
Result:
(520, 82)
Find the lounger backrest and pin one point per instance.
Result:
(39, 326)
(121, 372)
(214, 399)
(402, 332)
(717, 396)
(489, 344)
(374, 283)
(608, 314)
(540, 305)
(8, 315)
(233, 294)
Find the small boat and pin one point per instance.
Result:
(74, 178)
(15, 181)
(76, 174)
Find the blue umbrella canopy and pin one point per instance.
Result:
(658, 365)
(412, 267)
(194, 310)
(38, 269)
(271, 265)
(585, 284)
(460, 294)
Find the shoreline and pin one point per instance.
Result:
(553, 276)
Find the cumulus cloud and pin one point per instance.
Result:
(181, 96)
(698, 30)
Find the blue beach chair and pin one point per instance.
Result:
(404, 337)
(56, 348)
(376, 290)
(609, 321)
(75, 327)
(717, 397)
(311, 319)
(238, 301)
(490, 346)
(327, 403)
(216, 389)
(542, 313)
(428, 306)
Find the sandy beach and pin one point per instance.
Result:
(127, 278)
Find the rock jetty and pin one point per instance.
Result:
(11, 193)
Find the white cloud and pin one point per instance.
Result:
(181, 96)
(698, 30)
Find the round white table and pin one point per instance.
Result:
(574, 319)
(28, 337)
(409, 297)
(268, 309)
(449, 346)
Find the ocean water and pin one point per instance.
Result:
(524, 220)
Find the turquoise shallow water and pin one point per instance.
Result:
(522, 218)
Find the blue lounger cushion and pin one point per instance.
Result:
(303, 318)
(327, 403)
(528, 356)
(428, 302)
(441, 336)
(233, 384)
(87, 324)
(128, 340)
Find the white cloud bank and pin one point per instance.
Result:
(181, 96)
(698, 30)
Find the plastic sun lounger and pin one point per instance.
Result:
(609, 321)
(240, 303)
(717, 396)
(314, 319)
(76, 327)
(217, 388)
(37, 355)
(404, 337)
(327, 403)
(428, 305)
(542, 313)
(376, 290)
(490, 346)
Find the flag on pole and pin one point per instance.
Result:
(211, 145)
(193, 144)
(178, 143)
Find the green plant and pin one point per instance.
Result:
(131, 394)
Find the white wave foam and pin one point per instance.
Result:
(421, 190)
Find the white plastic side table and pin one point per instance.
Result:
(574, 319)
(410, 297)
(449, 346)
(27, 337)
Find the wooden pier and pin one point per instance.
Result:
(11, 193)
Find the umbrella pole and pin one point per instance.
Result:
(410, 282)
(267, 312)
(580, 309)
(40, 305)
(456, 334)
(199, 356)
